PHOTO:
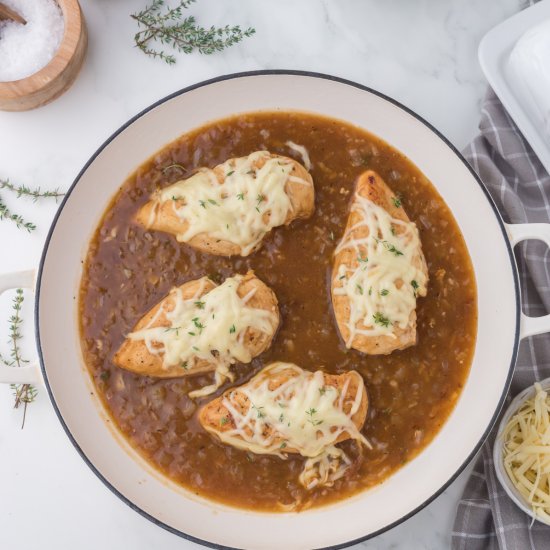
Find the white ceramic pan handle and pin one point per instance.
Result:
(31, 373)
(530, 326)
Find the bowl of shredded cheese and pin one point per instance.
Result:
(521, 451)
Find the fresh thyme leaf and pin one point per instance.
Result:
(384, 292)
(232, 329)
(260, 198)
(322, 390)
(199, 305)
(184, 365)
(396, 201)
(390, 247)
(202, 203)
(34, 194)
(212, 201)
(283, 445)
(381, 319)
(361, 259)
(415, 286)
(360, 289)
(105, 375)
(281, 417)
(259, 411)
(312, 420)
(23, 393)
(171, 28)
(224, 420)
(195, 348)
(198, 324)
(240, 196)
(229, 173)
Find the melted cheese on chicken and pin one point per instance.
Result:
(302, 415)
(383, 285)
(243, 210)
(209, 326)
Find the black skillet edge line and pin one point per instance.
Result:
(244, 75)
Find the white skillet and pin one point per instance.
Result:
(501, 323)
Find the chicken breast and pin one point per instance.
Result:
(229, 209)
(201, 327)
(379, 271)
(285, 409)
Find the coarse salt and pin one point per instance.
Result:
(25, 49)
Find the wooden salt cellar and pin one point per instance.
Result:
(58, 75)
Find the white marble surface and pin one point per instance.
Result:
(422, 52)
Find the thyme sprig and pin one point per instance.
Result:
(23, 393)
(23, 191)
(35, 194)
(171, 28)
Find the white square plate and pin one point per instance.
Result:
(494, 52)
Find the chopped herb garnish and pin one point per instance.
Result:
(259, 411)
(415, 285)
(203, 203)
(341, 277)
(384, 292)
(240, 196)
(232, 329)
(361, 259)
(381, 319)
(191, 333)
(283, 445)
(176, 329)
(198, 324)
(212, 201)
(251, 172)
(174, 198)
(199, 305)
(322, 391)
(390, 247)
(396, 201)
(195, 348)
(184, 365)
(229, 173)
(282, 405)
(359, 289)
(312, 420)
(281, 417)
(224, 420)
(370, 290)
(260, 198)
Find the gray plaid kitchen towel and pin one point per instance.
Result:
(486, 518)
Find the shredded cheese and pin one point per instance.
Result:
(302, 414)
(209, 327)
(386, 275)
(239, 201)
(527, 452)
(302, 151)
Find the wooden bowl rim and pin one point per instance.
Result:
(73, 19)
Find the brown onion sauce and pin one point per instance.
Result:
(411, 392)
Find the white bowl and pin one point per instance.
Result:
(498, 455)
